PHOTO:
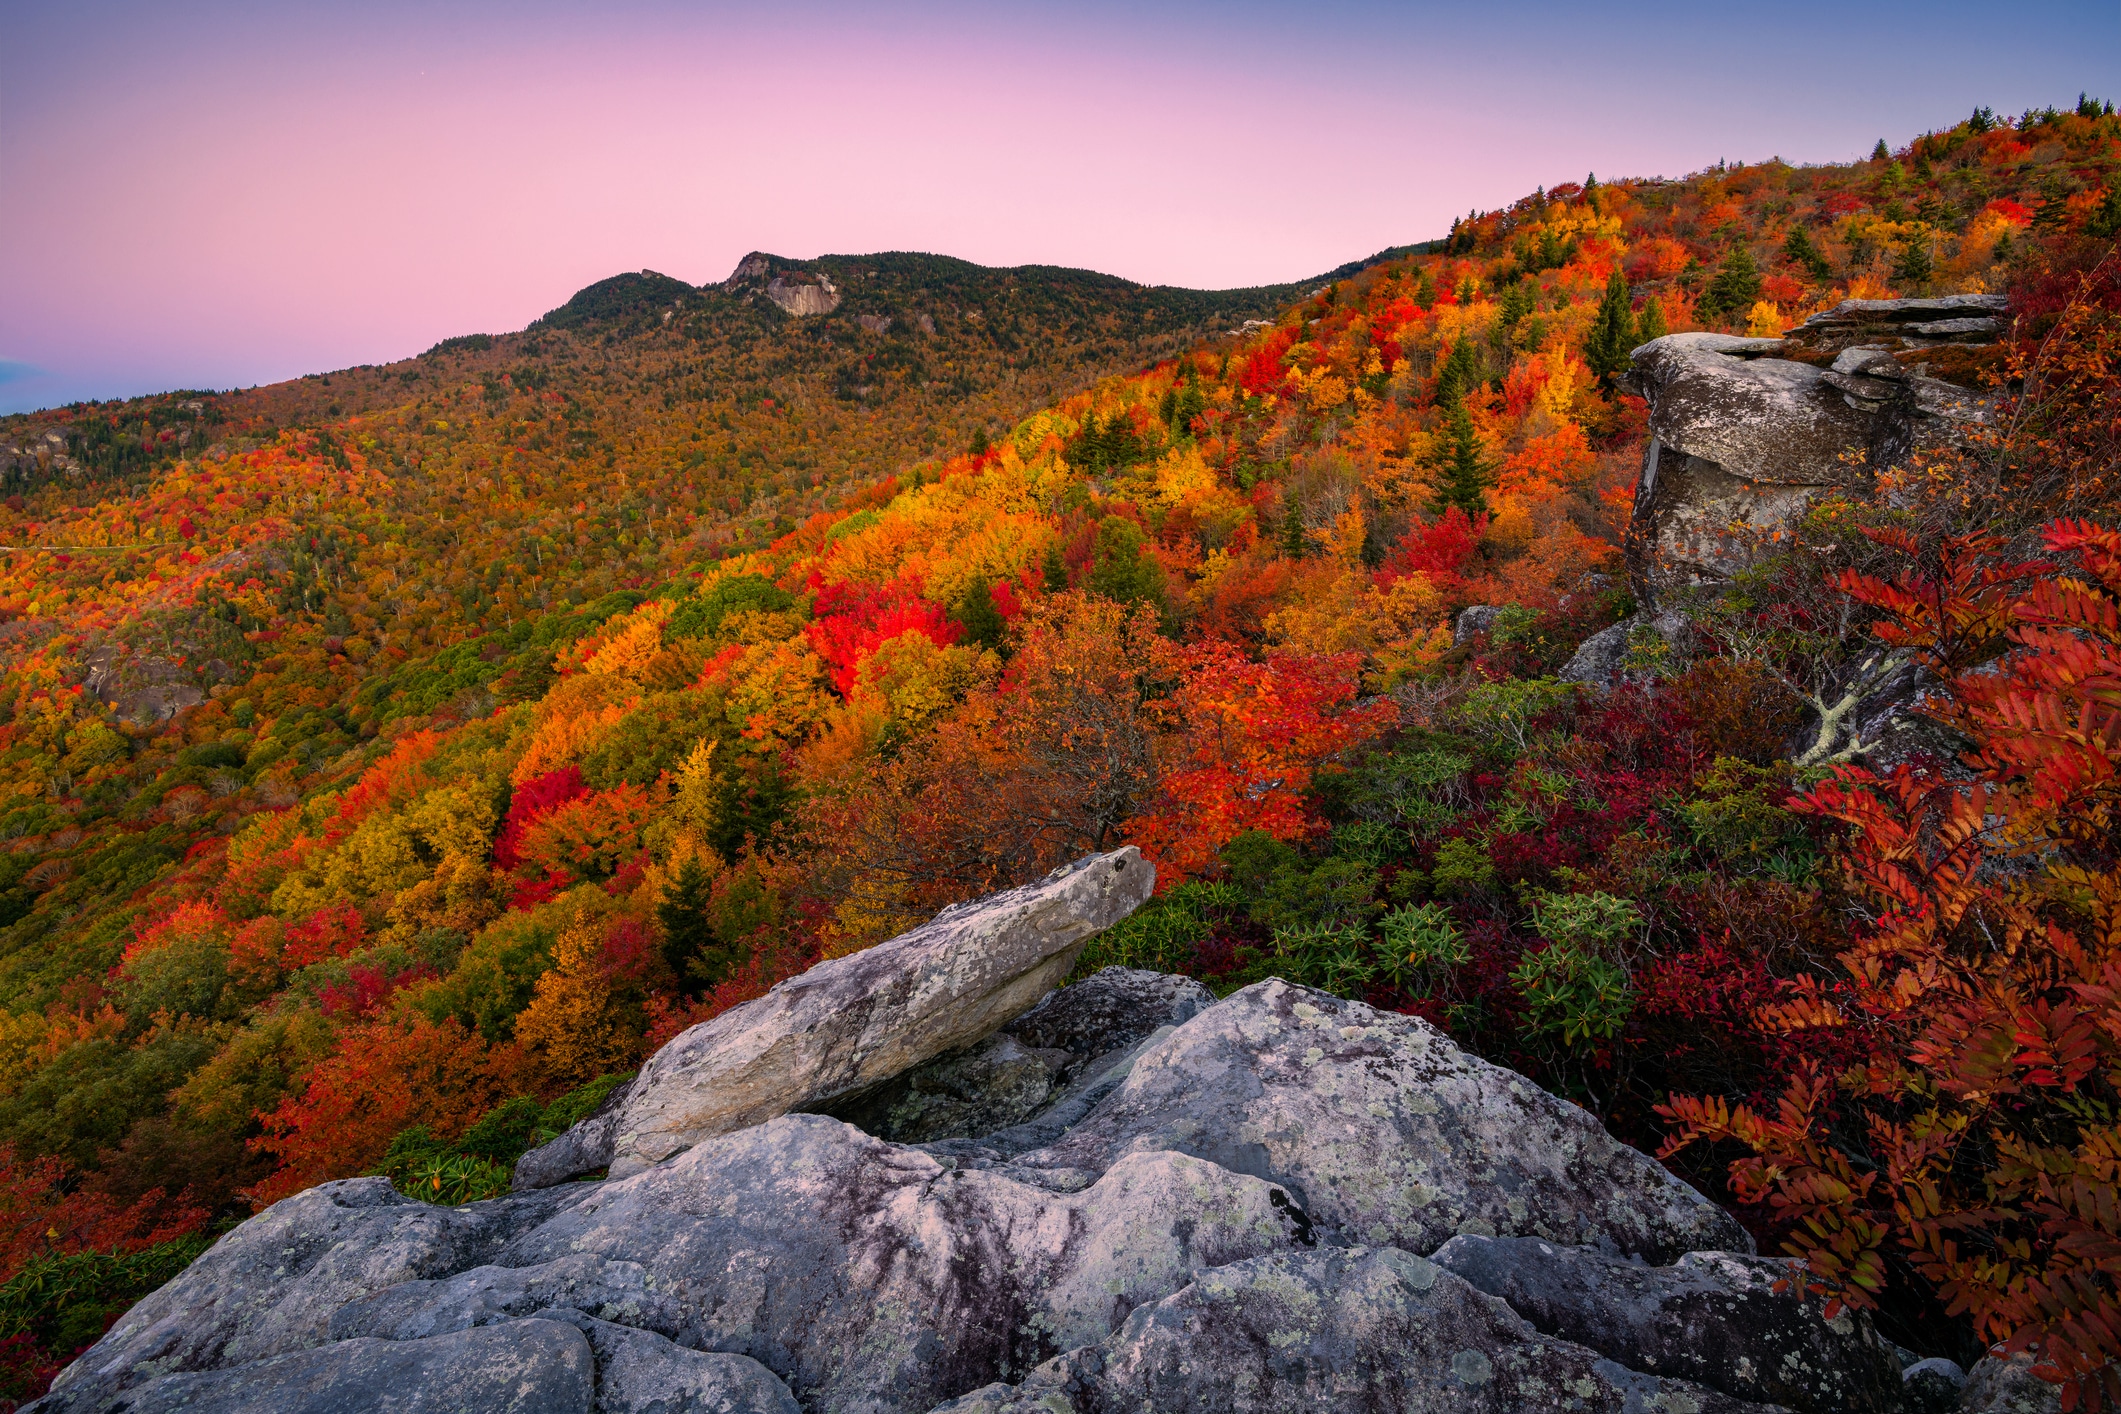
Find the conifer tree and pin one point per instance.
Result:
(1465, 471)
(1425, 292)
(979, 442)
(1458, 375)
(1292, 528)
(1612, 334)
(688, 927)
(1056, 570)
(1735, 288)
(1650, 325)
(982, 622)
(1797, 249)
(1881, 153)
(1914, 267)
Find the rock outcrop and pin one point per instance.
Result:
(1354, 1328)
(856, 1021)
(1277, 1201)
(1744, 433)
(1727, 1320)
(1384, 1132)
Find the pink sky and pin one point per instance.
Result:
(241, 193)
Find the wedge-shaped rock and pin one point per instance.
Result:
(1385, 1132)
(855, 1021)
(1376, 1330)
(526, 1367)
(1713, 1317)
(272, 1285)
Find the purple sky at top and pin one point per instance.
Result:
(216, 195)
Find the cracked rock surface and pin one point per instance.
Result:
(1277, 1201)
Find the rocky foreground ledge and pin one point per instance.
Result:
(1128, 1197)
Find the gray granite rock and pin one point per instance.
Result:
(1110, 1010)
(585, 1147)
(848, 1024)
(523, 1367)
(1343, 1329)
(1712, 1317)
(2008, 1386)
(1040, 1060)
(1474, 620)
(1638, 648)
(272, 1285)
(1384, 1132)
(639, 1372)
(1931, 1386)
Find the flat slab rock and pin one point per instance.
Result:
(856, 1021)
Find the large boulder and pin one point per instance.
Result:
(1727, 1320)
(1745, 433)
(1384, 1132)
(272, 1286)
(523, 1367)
(1353, 1328)
(856, 1021)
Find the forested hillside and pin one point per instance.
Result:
(392, 758)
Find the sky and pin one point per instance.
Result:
(220, 195)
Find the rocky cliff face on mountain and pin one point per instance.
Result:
(1137, 1197)
(1745, 433)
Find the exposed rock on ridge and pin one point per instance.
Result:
(1218, 1206)
(852, 1022)
(1745, 432)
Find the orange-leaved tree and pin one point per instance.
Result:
(1246, 739)
(1975, 1142)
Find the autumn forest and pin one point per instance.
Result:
(391, 759)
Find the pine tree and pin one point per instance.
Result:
(1056, 570)
(688, 924)
(1292, 528)
(982, 622)
(2105, 220)
(1651, 324)
(979, 441)
(1465, 470)
(1914, 267)
(1425, 292)
(1881, 153)
(1735, 288)
(1612, 334)
(1797, 249)
(1459, 374)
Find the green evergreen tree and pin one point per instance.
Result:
(1797, 249)
(1914, 267)
(979, 442)
(1650, 324)
(1465, 471)
(1425, 292)
(688, 928)
(1612, 334)
(1459, 375)
(2105, 220)
(1735, 288)
(1881, 153)
(1291, 536)
(1056, 570)
(982, 622)
(1123, 567)
(1517, 301)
